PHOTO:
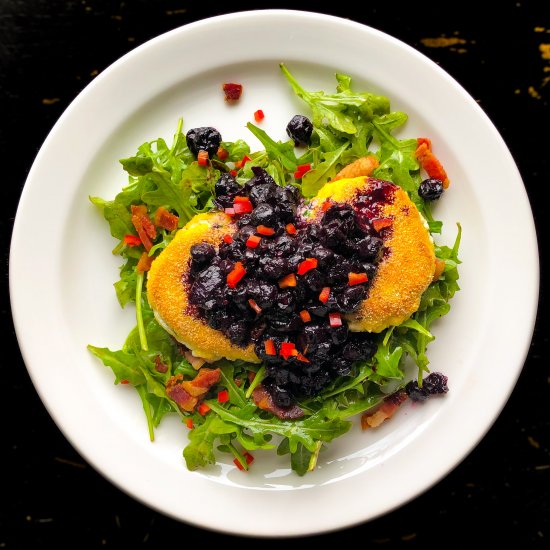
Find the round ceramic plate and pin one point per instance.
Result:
(61, 283)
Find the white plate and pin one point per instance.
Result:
(61, 271)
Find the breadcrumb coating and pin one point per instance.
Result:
(406, 271)
(168, 296)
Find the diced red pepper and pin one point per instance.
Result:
(335, 319)
(237, 463)
(269, 347)
(203, 408)
(165, 219)
(242, 206)
(124, 381)
(227, 239)
(325, 294)
(189, 423)
(259, 115)
(223, 396)
(288, 280)
(263, 230)
(307, 265)
(240, 163)
(326, 206)
(222, 153)
(233, 173)
(202, 157)
(132, 240)
(240, 198)
(253, 241)
(302, 358)
(290, 229)
(232, 91)
(235, 275)
(357, 278)
(144, 263)
(301, 170)
(305, 316)
(229, 211)
(288, 349)
(252, 303)
(249, 458)
(381, 223)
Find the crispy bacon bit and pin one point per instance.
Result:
(165, 219)
(262, 398)
(204, 380)
(232, 91)
(196, 362)
(386, 410)
(159, 365)
(144, 226)
(177, 393)
(429, 162)
(144, 263)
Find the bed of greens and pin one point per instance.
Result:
(348, 125)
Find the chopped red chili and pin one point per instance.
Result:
(305, 316)
(233, 173)
(259, 115)
(124, 381)
(237, 463)
(269, 347)
(263, 230)
(291, 229)
(325, 294)
(223, 396)
(253, 241)
(335, 319)
(249, 458)
(235, 275)
(203, 408)
(307, 265)
(227, 239)
(301, 170)
(132, 240)
(288, 349)
(242, 205)
(189, 423)
(302, 358)
(202, 157)
(240, 163)
(357, 278)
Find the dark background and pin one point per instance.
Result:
(50, 50)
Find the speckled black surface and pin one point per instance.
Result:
(49, 497)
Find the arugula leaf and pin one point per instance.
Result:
(199, 452)
(318, 176)
(277, 151)
(124, 365)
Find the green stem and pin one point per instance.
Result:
(118, 248)
(238, 455)
(139, 315)
(314, 457)
(260, 375)
(142, 391)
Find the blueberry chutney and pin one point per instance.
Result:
(284, 283)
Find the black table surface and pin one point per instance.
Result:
(51, 49)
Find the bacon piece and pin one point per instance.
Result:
(159, 365)
(204, 380)
(144, 263)
(263, 400)
(177, 393)
(386, 410)
(165, 219)
(144, 226)
(363, 166)
(430, 162)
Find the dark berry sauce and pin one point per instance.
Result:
(300, 279)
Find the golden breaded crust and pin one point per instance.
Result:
(168, 296)
(404, 274)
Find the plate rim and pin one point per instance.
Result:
(15, 255)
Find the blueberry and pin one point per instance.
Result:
(204, 138)
(431, 189)
(299, 129)
(265, 214)
(201, 254)
(433, 384)
(226, 185)
(368, 247)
